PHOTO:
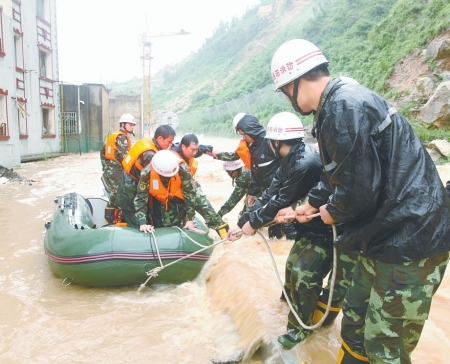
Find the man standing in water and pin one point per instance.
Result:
(139, 156)
(116, 147)
(387, 192)
(311, 256)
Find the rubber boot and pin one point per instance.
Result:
(109, 215)
(320, 312)
(347, 356)
(222, 230)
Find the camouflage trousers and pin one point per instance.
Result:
(386, 307)
(306, 267)
(126, 192)
(204, 208)
(112, 174)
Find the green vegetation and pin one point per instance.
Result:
(363, 39)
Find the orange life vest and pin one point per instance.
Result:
(192, 164)
(244, 153)
(111, 146)
(157, 189)
(132, 157)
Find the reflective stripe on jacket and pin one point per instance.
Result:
(162, 193)
(132, 158)
(111, 146)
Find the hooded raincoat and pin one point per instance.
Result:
(385, 186)
(264, 162)
(299, 171)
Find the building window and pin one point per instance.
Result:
(70, 123)
(22, 117)
(18, 51)
(43, 63)
(43, 10)
(48, 121)
(3, 118)
(2, 46)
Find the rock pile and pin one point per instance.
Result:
(8, 175)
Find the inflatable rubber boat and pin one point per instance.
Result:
(82, 250)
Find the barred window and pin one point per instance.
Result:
(70, 123)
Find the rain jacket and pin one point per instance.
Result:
(385, 186)
(299, 171)
(264, 163)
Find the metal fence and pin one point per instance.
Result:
(81, 143)
(215, 120)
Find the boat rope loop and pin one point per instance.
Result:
(151, 273)
(187, 236)
(333, 279)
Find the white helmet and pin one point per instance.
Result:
(166, 163)
(232, 165)
(236, 119)
(127, 118)
(285, 126)
(293, 59)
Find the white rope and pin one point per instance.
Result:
(333, 279)
(187, 236)
(154, 272)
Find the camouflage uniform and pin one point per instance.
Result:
(157, 214)
(204, 208)
(308, 263)
(112, 171)
(126, 190)
(240, 190)
(389, 303)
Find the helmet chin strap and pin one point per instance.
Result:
(276, 148)
(293, 98)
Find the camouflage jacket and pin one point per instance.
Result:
(240, 190)
(175, 205)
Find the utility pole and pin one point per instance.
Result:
(146, 58)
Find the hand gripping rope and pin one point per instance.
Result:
(154, 272)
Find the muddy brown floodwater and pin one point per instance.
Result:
(232, 306)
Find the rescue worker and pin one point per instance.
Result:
(386, 190)
(166, 195)
(112, 153)
(188, 149)
(241, 179)
(311, 256)
(140, 155)
(254, 150)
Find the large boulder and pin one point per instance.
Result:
(436, 111)
(439, 49)
(441, 146)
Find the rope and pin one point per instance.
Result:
(187, 236)
(154, 272)
(333, 279)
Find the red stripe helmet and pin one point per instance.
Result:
(285, 126)
(293, 59)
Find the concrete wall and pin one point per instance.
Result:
(93, 100)
(124, 104)
(28, 70)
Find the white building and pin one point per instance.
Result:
(29, 91)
